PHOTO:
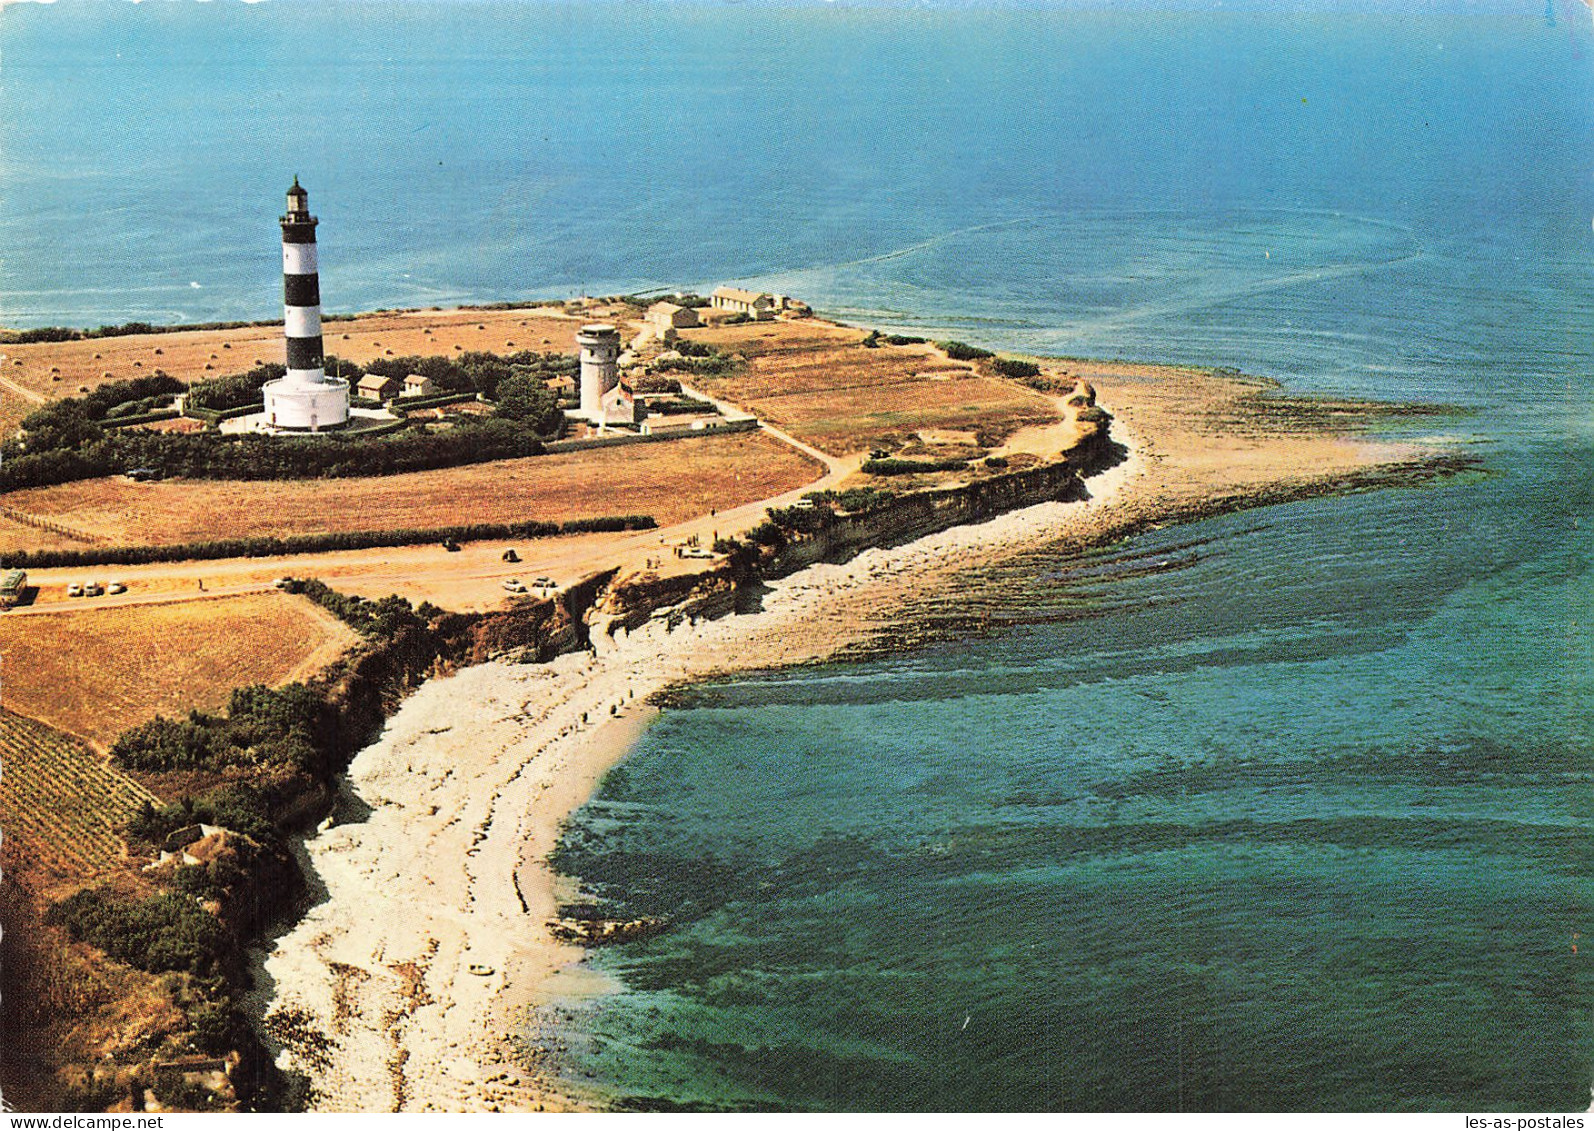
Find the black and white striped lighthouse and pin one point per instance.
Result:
(305, 398)
(301, 288)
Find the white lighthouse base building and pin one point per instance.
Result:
(306, 405)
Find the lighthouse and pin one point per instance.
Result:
(306, 400)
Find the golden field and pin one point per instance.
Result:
(671, 481)
(95, 672)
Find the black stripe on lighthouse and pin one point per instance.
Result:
(301, 290)
(304, 353)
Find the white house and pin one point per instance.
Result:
(416, 385)
(752, 303)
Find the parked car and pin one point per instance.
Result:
(514, 585)
(75, 589)
(93, 589)
(116, 587)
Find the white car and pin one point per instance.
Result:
(75, 589)
(514, 586)
(116, 587)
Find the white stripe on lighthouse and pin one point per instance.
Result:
(298, 259)
(302, 321)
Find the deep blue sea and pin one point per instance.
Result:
(1299, 820)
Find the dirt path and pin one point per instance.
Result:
(31, 395)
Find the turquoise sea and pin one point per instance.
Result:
(1283, 810)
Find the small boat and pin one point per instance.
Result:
(480, 969)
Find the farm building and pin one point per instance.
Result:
(619, 405)
(669, 316)
(416, 385)
(375, 387)
(12, 583)
(752, 303)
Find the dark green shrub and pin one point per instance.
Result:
(1012, 367)
(962, 351)
(767, 534)
(911, 466)
(163, 932)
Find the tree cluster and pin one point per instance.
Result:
(165, 932)
(281, 729)
(234, 391)
(1018, 370)
(854, 500)
(243, 808)
(76, 421)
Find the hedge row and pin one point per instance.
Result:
(326, 455)
(265, 547)
(385, 428)
(911, 466)
(140, 418)
(68, 334)
(433, 401)
(214, 416)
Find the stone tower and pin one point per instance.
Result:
(600, 366)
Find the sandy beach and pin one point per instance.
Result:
(415, 980)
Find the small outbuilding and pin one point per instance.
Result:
(619, 405)
(417, 385)
(664, 316)
(375, 387)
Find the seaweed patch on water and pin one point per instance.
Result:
(623, 884)
(1467, 762)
